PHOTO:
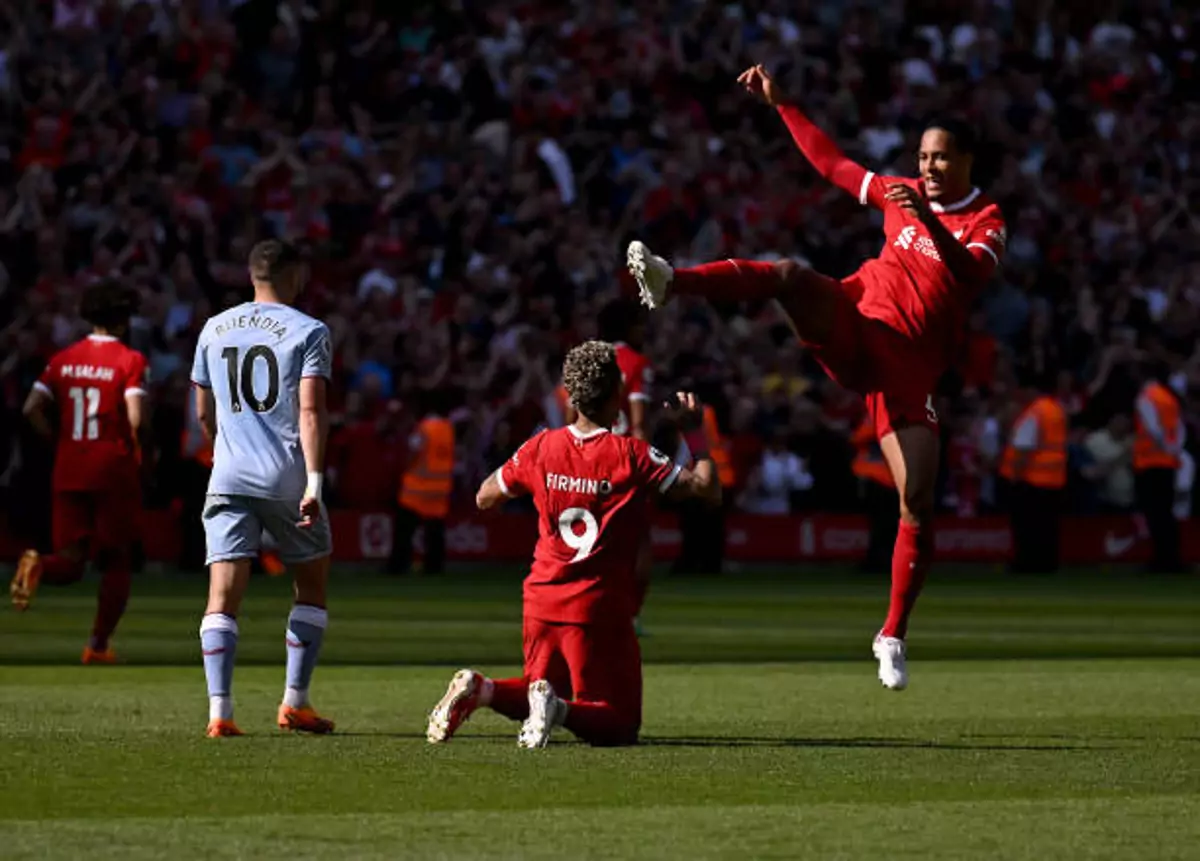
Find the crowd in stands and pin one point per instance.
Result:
(465, 175)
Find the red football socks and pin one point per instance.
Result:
(61, 571)
(910, 561)
(729, 281)
(110, 603)
(600, 724)
(510, 697)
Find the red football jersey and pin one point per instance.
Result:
(908, 286)
(89, 381)
(590, 492)
(637, 377)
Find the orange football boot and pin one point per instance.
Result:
(271, 563)
(222, 729)
(95, 656)
(303, 719)
(25, 582)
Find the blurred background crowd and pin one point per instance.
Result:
(465, 175)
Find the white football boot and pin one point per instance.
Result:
(456, 705)
(652, 273)
(546, 713)
(893, 669)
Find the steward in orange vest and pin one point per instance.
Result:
(869, 464)
(424, 497)
(1035, 466)
(1157, 445)
(718, 446)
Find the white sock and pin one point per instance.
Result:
(295, 697)
(220, 708)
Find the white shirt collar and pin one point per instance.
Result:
(957, 205)
(578, 434)
(101, 338)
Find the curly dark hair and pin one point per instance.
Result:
(108, 304)
(591, 376)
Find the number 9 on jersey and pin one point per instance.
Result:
(581, 542)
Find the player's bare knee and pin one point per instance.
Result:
(310, 581)
(226, 586)
(916, 507)
(796, 277)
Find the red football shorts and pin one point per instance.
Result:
(591, 663)
(106, 519)
(893, 374)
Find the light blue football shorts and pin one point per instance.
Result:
(234, 525)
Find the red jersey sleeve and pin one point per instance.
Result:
(45, 381)
(829, 161)
(137, 376)
(652, 468)
(517, 476)
(986, 240)
(640, 383)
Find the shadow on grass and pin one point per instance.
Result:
(877, 743)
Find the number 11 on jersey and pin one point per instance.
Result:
(86, 405)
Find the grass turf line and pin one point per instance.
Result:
(981, 758)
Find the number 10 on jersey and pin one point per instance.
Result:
(244, 380)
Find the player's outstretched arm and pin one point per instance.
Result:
(37, 412)
(314, 434)
(820, 150)
(700, 481)
(514, 478)
(490, 493)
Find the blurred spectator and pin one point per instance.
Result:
(778, 479)
(465, 179)
(1110, 449)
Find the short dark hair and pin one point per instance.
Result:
(965, 139)
(108, 304)
(591, 376)
(616, 319)
(272, 258)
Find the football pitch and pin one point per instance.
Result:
(1046, 719)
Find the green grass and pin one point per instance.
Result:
(1047, 719)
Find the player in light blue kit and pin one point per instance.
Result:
(260, 375)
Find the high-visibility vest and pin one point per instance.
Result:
(1147, 453)
(193, 444)
(429, 477)
(1045, 465)
(868, 458)
(718, 449)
